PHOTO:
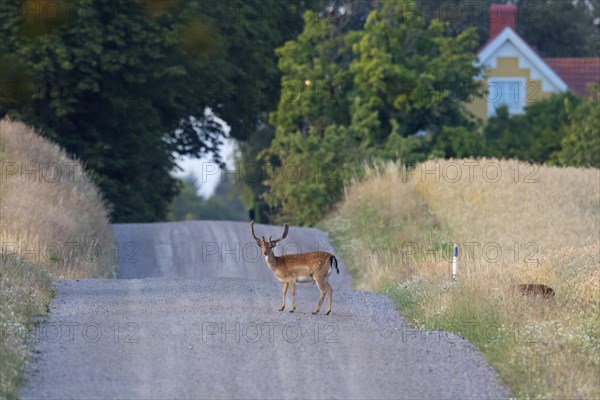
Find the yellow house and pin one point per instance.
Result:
(514, 74)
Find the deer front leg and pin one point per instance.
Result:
(293, 285)
(283, 293)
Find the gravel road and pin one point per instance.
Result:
(216, 335)
(210, 249)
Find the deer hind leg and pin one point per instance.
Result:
(293, 285)
(330, 290)
(284, 289)
(322, 290)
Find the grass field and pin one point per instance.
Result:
(514, 223)
(53, 224)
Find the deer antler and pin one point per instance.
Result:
(252, 231)
(285, 232)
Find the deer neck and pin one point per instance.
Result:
(271, 260)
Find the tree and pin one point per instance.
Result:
(458, 142)
(124, 85)
(537, 22)
(578, 33)
(533, 136)
(410, 72)
(250, 175)
(305, 161)
(580, 146)
(307, 172)
(352, 90)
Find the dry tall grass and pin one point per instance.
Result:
(378, 222)
(508, 202)
(52, 224)
(514, 223)
(51, 213)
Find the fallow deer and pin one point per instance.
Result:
(309, 267)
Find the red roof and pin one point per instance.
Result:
(576, 72)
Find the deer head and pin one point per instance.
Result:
(267, 245)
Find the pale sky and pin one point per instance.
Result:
(207, 172)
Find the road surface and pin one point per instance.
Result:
(193, 327)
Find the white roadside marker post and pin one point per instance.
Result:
(455, 262)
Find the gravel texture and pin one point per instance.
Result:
(222, 337)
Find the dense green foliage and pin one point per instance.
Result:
(580, 145)
(124, 85)
(563, 130)
(578, 35)
(533, 136)
(349, 95)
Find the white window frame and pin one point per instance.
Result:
(521, 92)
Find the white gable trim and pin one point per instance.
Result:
(511, 36)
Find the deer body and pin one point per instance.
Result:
(313, 267)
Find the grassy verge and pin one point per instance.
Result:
(25, 292)
(528, 224)
(53, 224)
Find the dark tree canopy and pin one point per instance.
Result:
(555, 28)
(125, 84)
